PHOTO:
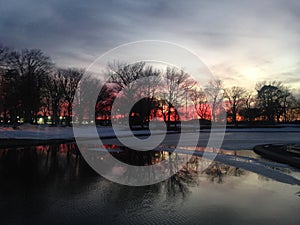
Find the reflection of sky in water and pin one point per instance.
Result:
(52, 184)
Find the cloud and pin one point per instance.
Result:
(236, 34)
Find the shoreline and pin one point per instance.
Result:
(34, 137)
(14, 142)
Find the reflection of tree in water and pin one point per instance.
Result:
(18, 163)
(218, 171)
(187, 176)
(180, 182)
(64, 162)
(137, 158)
(262, 178)
(42, 163)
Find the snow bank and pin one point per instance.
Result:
(43, 132)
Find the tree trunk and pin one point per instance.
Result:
(169, 114)
(28, 116)
(69, 118)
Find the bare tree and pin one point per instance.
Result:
(269, 101)
(10, 96)
(124, 74)
(105, 100)
(234, 100)
(148, 86)
(214, 91)
(288, 102)
(249, 110)
(55, 94)
(85, 107)
(32, 66)
(4, 51)
(294, 112)
(71, 78)
(177, 85)
(249, 100)
(201, 104)
(274, 99)
(136, 81)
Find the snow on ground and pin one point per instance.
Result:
(47, 132)
(36, 132)
(234, 138)
(260, 130)
(41, 132)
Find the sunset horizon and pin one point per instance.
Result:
(149, 112)
(241, 43)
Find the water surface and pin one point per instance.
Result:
(54, 185)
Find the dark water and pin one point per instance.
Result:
(54, 185)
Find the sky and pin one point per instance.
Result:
(241, 41)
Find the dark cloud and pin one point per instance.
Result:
(75, 32)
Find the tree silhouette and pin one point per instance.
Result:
(32, 67)
(87, 87)
(10, 96)
(71, 78)
(55, 94)
(177, 85)
(31, 85)
(214, 91)
(201, 104)
(272, 100)
(234, 100)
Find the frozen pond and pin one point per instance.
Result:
(54, 185)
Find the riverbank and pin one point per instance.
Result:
(234, 138)
(8, 143)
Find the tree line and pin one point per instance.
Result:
(33, 89)
(172, 90)
(271, 102)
